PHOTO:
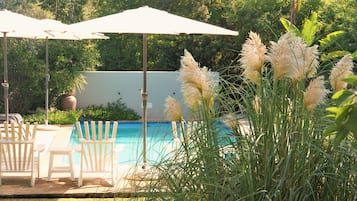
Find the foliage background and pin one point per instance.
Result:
(123, 52)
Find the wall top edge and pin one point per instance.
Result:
(130, 71)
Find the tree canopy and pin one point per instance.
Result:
(123, 52)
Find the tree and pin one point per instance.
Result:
(309, 32)
(340, 15)
(26, 75)
(65, 11)
(123, 52)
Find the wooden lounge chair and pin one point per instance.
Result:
(18, 153)
(97, 148)
(187, 128)
(179, 129)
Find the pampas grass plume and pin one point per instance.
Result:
(291, 58)
(173, 109)
(340, 71)
(315, 93)
(198, 84)
(190, 72)
(253, 53)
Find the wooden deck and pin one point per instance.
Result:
(61, 184)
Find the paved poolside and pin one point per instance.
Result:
(61, 184)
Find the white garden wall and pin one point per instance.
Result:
(108, 86)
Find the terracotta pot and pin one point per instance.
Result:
(68, 102)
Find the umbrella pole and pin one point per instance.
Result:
(144, 97)
(5, 84)
(47, 80)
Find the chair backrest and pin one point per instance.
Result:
(17, 147)
(97, 144)
(185, 128)
(174, 130)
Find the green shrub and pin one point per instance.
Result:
(54, 117)
(113, 111)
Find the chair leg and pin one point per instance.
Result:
(38, 166)
(80, 181)
(33, 179)
(50, 167)
(80, 172)
(71, 165)
(112, 180)
(112, 174)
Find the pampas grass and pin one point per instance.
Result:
(276, 149)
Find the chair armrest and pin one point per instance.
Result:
(40, 148)
(118, 148)
(77, 148)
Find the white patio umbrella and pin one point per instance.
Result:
(19, 26)
(146, 20)
(53, 29)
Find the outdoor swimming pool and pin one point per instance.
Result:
(129, 140)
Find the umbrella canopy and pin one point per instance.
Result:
(13, 25)
(20, 26)
(53, 29)
(150, 21)
(17, 25)
(146, 20)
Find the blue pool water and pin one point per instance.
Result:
(130, 141)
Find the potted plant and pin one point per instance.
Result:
(68, 101)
